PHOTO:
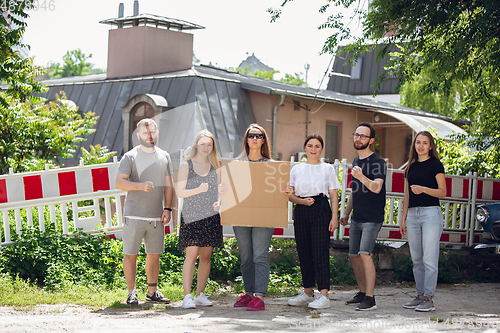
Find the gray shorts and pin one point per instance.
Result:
(134, 231)
(362, 237)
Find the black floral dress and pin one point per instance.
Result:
(200, 224)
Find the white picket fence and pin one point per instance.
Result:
(72, 200)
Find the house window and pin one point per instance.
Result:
(331, 142)
(139, 111)
(356, 69)
(137, 108)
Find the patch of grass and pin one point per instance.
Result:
(118, 305)
(316, 315)
(13, 293)
(238, 286)
(155, 307)
(58, 310)
(436, 319)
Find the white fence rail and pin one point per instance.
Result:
(85, 199)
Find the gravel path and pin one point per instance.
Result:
(463, 308)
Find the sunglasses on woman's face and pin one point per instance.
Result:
(255, 136)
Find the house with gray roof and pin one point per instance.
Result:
(358, 78)
(150, 74)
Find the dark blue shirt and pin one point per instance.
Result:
(369, 206)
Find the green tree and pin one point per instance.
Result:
(264, 74)
(456, 41)
(75, 64)
(457, 158)
(196, 61)
(289, 78)
(34, 134)
(415, 94)
(257, 73)
(294, 79)
(96, 154)
(16, 72)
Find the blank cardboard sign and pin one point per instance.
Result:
(254, 194)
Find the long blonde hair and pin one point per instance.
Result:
(212, 158)
(265, 149)
(413, 152)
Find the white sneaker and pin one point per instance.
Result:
(321, 302)
(202, 300)
(302, 300)
(188, 302)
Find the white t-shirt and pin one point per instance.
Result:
(313, 179)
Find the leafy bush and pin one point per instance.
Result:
(341, 273)
(96, 154)
(449, 267)
(403, 268)
(225, 264)
(55, 260)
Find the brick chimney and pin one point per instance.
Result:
(145, 44)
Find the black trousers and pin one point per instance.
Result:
(313, 241)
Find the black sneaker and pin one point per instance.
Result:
(367, 304)
(358, 298)
(157, 297)
(132, 299)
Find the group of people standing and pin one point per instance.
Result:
(145, 173)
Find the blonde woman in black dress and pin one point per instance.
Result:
(200, 230)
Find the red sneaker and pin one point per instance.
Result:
(243, 301)
(256, 305)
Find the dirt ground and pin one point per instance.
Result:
(463, 307)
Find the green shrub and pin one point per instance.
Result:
(54, 260)
(225, 264)
(341, 273)
(449, 267)
(403, 268)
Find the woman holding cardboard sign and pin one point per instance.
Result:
(314, 182)
(253, 242)
(200, 229)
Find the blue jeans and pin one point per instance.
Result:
(424, 226)
(362, 237)
(253, 245)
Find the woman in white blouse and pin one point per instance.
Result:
(313, 183)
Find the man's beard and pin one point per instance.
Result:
(362, 147)
(147, 143)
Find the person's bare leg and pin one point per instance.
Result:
(152, 270)
(357, 267)
(203, 269)
(369, 273)
(130, 270)
(309, 291)
(188, 268)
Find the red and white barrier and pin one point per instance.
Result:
(488, 189)
(57, 183)
(59, 188)
(96, 182)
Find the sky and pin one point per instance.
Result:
(234, 30)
